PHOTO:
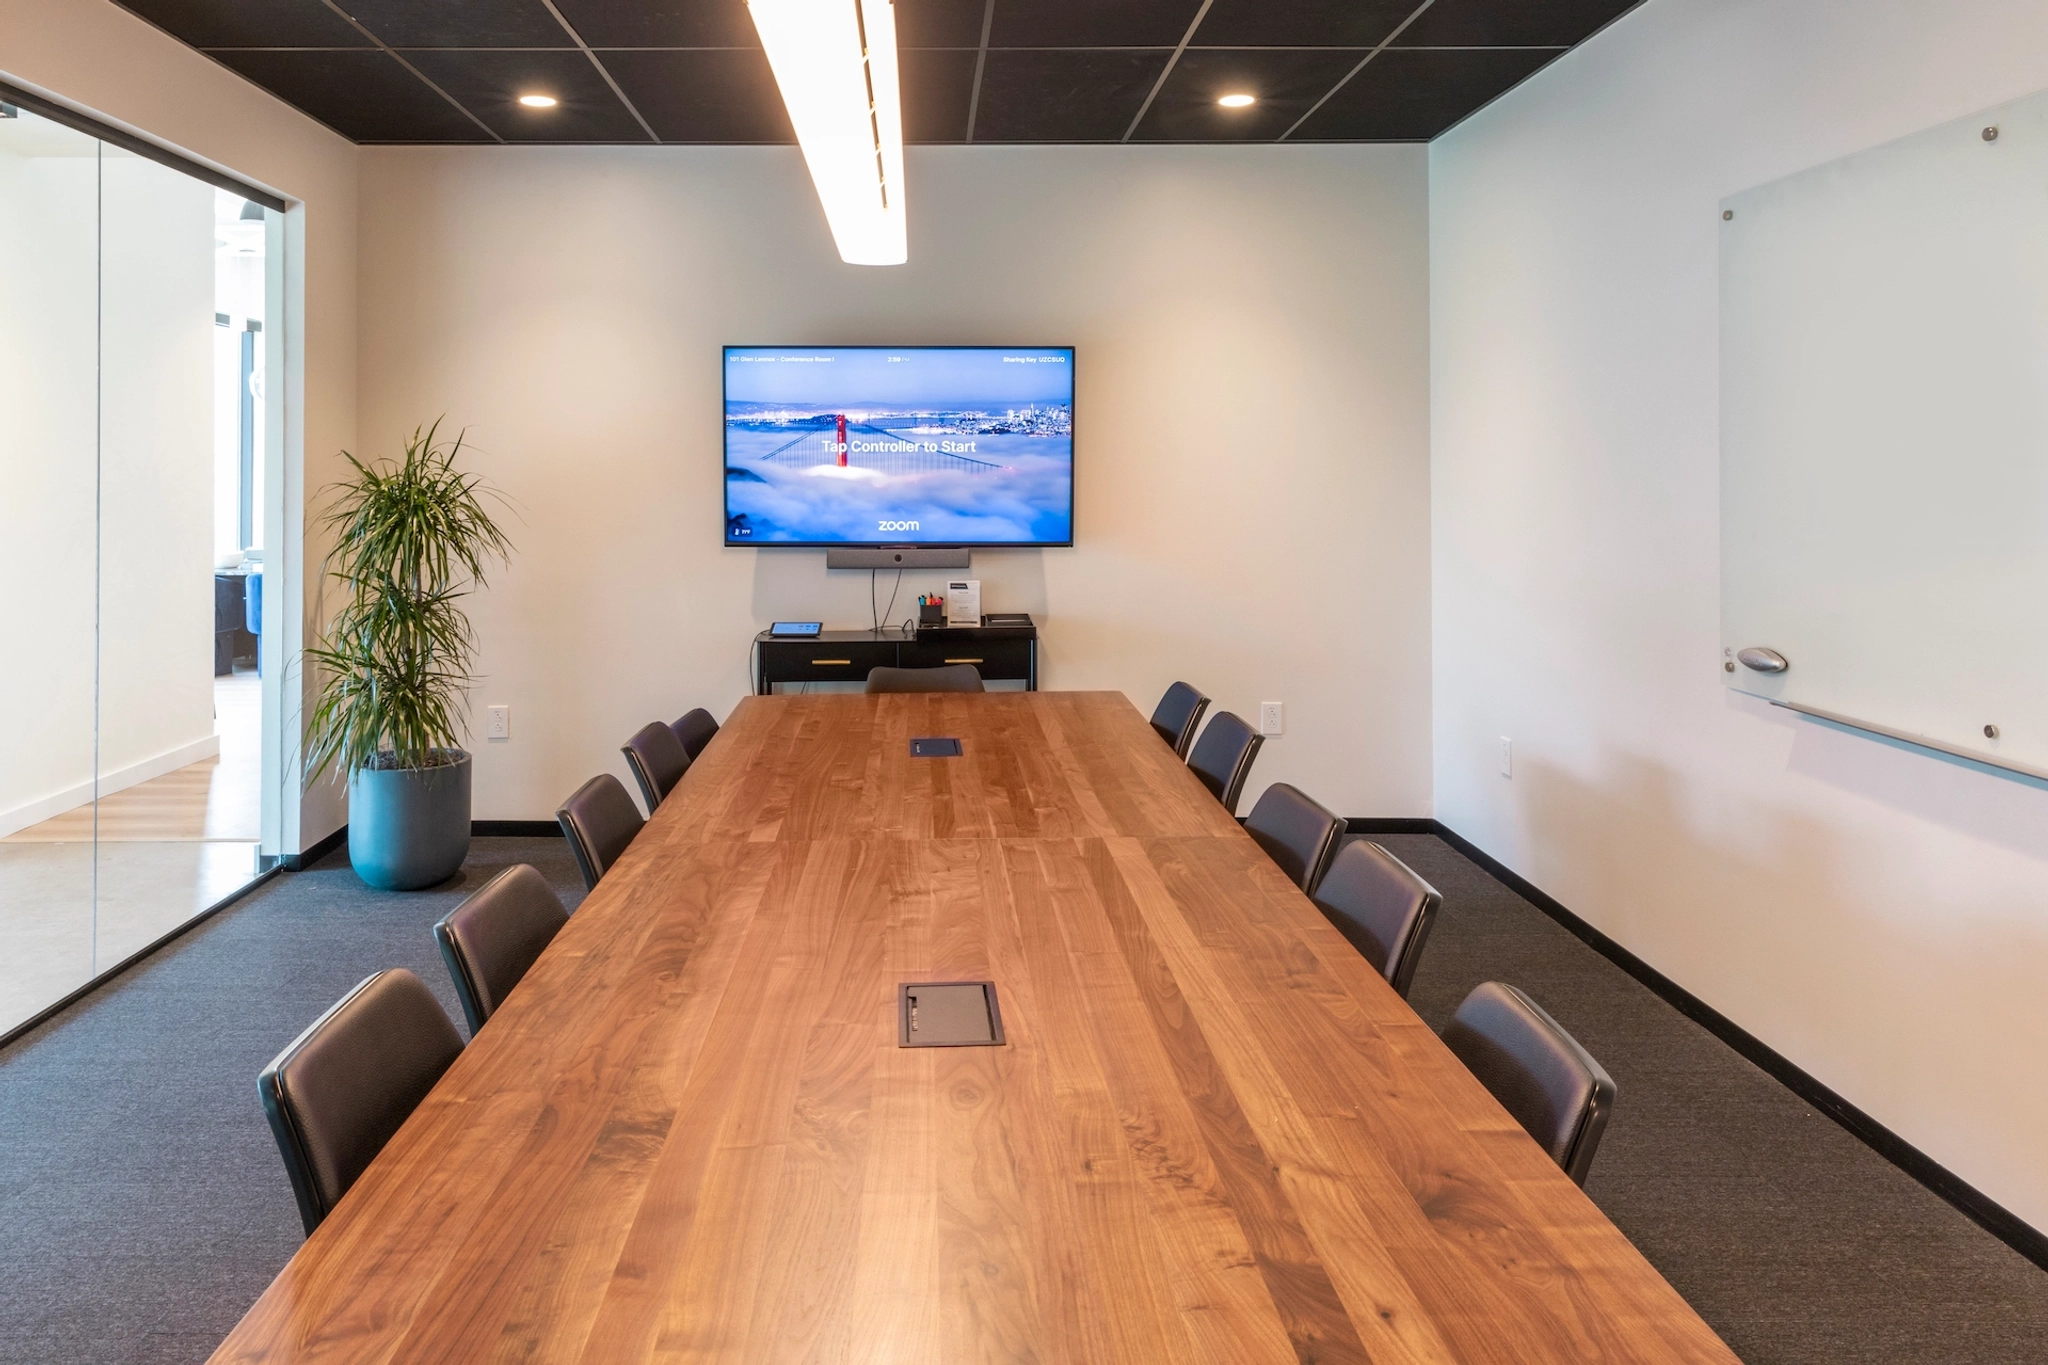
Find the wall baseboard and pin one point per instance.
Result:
(514, 829)
(314, 852)
(1979, 1207)
(120, 779)
(478, 829)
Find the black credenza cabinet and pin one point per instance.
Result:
(1001, 653)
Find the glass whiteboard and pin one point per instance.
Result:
(1884, 437)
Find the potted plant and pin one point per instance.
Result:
(412, 539)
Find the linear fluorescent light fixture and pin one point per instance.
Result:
(835, 61)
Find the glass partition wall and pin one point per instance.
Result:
(134, 444)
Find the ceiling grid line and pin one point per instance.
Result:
(1363, 63)
(988, 22)
(1171, 62)
(631, 108)
(393, 54)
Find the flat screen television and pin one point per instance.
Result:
(899, 445)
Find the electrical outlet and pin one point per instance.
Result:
(1507, 758)
(497, 722)
(1272, 718)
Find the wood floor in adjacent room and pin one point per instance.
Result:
(83, 890)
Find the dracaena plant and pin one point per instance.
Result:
(412, 538)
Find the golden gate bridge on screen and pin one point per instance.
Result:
(892, 452)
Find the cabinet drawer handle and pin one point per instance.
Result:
(815, 663)
(963, 661)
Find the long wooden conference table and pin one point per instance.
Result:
(1211, 1133)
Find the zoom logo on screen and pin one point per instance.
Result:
(896, 525)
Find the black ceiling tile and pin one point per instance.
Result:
(1301, 23)
(364, 95)
(707, 95)
(1093, 23)
(1405, 95)
(939, 23)
(1287, 83)
(1511, 23)
(249, 23)
(489, 83)
(661, 23)
(937, 88)
(460, 23)
(1063, 96)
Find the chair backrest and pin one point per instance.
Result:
(951, 678)
(599, 820)
(1378, 902)
(658, 761)
(1296, 832)
(694, 729)
(1223, 756)
(1176, 716)
(490, 939)
(1537, 1071)
(345, 1085)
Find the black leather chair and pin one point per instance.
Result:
(658, 761)
(951, 678)
(1223, 756)
(599, 820)
(1378, 902)
(1296, 832)
(1537, 1071)
(490, 939)
(694, 729)
(1177, 715)
(345, 1085)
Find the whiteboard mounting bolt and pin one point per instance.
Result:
(1991, 732)
(1991, 133)
(1727, 215)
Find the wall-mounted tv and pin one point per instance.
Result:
(899, 445)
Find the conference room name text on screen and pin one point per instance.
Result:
(918, 445)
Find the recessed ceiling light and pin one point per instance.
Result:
(538, 101)
(1237, 101)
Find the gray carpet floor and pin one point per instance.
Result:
(142, 1207)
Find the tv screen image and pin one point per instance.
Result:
(904, 445)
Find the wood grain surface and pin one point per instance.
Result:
(1214, 1135)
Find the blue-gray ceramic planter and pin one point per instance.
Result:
(409, 827)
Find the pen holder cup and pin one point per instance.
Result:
(931, 614)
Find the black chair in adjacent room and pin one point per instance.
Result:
(1378, 902)
(951, 678)
(345, 1085)
(1177, 715)
(599, 820)
(694, 730)
(1537, 1071)
(658, 761)
(1223, 756)
(1296, 832)
(490, 939)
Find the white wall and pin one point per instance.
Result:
(102, 58)
(1877, 916)
(48, 326)
(1251, 422)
